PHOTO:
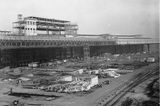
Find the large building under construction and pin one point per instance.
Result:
(31, 26)
(37, 39)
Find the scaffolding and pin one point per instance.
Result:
(37, 25)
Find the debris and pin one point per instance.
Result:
(50, 98)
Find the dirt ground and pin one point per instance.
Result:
(71, 99)
(68, 100)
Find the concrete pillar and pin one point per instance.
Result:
(0, 57)
(116, 49)
(68, 52)
(86, 51)
(76, 52)
(148, 47)
(73, 52)
(47, 30)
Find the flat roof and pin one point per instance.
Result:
(134, 38)
(16, 37)
(117, 36)
(47, 19)
(5, 31)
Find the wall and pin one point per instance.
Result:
(134, 40)
(94, 81)
(30, 27)
(23, 56)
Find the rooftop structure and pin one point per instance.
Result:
(31, 25)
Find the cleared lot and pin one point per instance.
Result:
(77, 99)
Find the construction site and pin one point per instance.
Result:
(45, 62)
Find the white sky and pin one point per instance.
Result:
(92, 16)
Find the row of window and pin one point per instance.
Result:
(30, 23)
(45, 43)
(30, 28)
(36, 43)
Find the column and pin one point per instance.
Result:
(86, 51)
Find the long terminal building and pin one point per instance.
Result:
(37, 39)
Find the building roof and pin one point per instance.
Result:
(134, 35)
(133, 38)
(4, 31)
(87, 35)
(46, 19)
(14, 37)
(114, 36)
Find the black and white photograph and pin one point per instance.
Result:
(79, 53)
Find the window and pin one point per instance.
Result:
(34, 31)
